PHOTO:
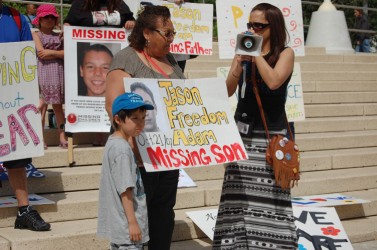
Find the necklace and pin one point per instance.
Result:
(150, 61)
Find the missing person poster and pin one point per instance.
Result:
(191, 125)
(232, 17)
(87, 58)
(21, 134)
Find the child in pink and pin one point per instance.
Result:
(50, 52)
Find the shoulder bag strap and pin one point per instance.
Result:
(261, 111)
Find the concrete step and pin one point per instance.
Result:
(338, 110)
(340, 97)
(78, 205)
(195, 64)
(336, 124)
(82, 235)
(336, 181)
(338, 159)
(339, 86)
(337, 140)
(339, 75)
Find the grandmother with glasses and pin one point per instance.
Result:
(148, 56)
(254, 212)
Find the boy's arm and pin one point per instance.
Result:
(128, 206)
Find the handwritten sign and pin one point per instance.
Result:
(317, 228)
(232, 17)
(31, 172)
(193, 24)
(205, 220)
(197, 128)
(320, 228)
(326, 200)
(294, 106)
(20, 122)
(87, 58)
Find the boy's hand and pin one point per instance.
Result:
(134, 231)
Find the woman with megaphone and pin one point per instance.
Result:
(255, 212)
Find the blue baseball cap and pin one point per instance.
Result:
(129, 101)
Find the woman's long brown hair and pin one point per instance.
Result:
(95, 5)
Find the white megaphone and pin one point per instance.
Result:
(248, 44)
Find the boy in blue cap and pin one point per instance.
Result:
(122, 213)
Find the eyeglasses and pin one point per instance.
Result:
(257, 26)
(166, 34)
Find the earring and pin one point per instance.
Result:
(147, 43)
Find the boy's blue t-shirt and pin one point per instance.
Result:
(9, 31)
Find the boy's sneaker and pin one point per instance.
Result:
(31, 220)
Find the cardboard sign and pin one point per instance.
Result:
(21, 133)
(232, 17)
(87, 57)
(205, 220)
(294, 106)
(193, 24)
(191, 126)
(325, 200)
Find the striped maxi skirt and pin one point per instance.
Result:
(254, 213)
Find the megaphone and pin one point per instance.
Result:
(248, 44)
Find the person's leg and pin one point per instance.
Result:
(59, 116)
(358, 48)
(27, 217)
(18, 182)
(161, 191)
(366, 46)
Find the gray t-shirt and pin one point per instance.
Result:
(119, 172)
(128, 60)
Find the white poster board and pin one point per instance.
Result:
(326, 200)
(320, 228)
(294, 106)
(195, 126)
(88, 53)
(21, 134)
(194, 26)
(232, 17)
(317, 226)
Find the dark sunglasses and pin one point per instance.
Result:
(257, 26)
(166, 34)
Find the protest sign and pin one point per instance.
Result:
(21, 133)
(34, 199)
(193, 24)
(194, 124)
(320, 228)
(232, 17)
(317, 228)
(326, 200)
(87, 57)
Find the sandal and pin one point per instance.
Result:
(63, 145)
(45, 146)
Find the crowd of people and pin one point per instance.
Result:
(254, 213)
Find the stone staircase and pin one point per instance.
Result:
(338, 140)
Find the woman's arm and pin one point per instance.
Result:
(235, 72)
(275, 77)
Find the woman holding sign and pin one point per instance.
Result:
(254, 212)
(148, 56)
